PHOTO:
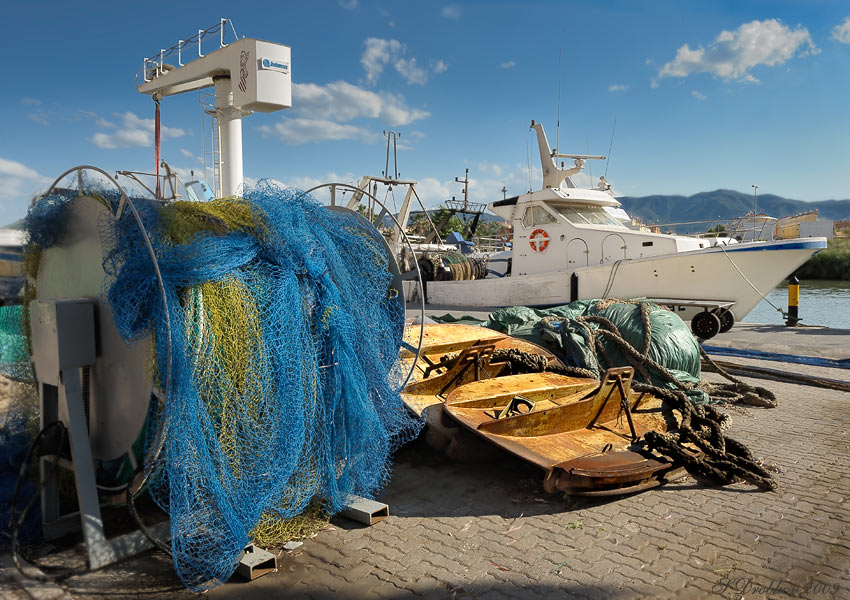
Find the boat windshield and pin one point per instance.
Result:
(585, 215)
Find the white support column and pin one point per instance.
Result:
(230, 138)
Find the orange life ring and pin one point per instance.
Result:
(542, 244)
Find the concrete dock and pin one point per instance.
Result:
(485, 528)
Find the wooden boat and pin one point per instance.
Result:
(584, 433)
(474, 348)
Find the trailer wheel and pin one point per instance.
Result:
(705, 325)
(727, 318)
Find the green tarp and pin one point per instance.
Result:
(561, 330)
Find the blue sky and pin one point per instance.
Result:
(705, 94)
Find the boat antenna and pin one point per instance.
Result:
(610, 146)
(558, 121)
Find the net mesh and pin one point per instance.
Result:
(284, 338)
(14, 358)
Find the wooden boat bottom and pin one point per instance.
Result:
(582, 433)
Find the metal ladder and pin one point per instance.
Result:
(211, 155)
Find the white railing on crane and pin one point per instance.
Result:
(155, 65)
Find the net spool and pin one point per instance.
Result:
(452, 266)
(65, 260)
(267, 330)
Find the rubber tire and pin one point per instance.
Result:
(727, 318)
(705, 325)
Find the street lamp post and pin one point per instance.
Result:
(755, 208)
(504, 191)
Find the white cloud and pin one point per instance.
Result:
(410, 71)
(618, 87)
(698, 95)
(296, 131)
(451, 11)
(733, 54)
(39, 117)
(433, 192)
(378, 53)
(133, 131)
(306, 182)
(841, 32)
(348, 4)
(486, 181)
(508, 65)
(124, 138)
(189, 154)
(491, 168)
(326, 112)
(18, 183)
(11, 168)
(342, 101)
(31, 101)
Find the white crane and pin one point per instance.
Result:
(248, 74)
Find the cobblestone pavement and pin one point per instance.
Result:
(484, 528)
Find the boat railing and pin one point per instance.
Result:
(489, 243)
(743, 229)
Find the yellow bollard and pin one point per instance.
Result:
(793, 302)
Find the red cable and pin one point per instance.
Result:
(157, 147)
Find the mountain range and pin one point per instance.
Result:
(717, 206)
(723, 205)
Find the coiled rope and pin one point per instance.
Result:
(720, 460)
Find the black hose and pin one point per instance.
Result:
(49, 573)
(131, 505)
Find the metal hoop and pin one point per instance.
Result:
(347, 186)
(159, 439)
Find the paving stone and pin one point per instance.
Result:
(447, 536)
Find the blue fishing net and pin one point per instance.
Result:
(284, 370)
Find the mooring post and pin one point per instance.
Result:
(793, 301)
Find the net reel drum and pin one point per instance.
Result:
(99, 387)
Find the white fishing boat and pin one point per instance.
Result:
(572, 243)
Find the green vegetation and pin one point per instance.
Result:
(716, 231)
(419, 224)
(832, 263)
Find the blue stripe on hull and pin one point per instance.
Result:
(813, 245)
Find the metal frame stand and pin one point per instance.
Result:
(63, 343)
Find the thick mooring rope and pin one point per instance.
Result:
(720, 460)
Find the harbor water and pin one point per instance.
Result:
(824, 303)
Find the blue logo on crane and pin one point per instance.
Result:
(273, 65)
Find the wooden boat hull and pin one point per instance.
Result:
(427, 391)
(577, 430)
(584, 434)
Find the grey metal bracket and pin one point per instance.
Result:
(256, 562)
(365, 511)
(100, 550)
(65, 335)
